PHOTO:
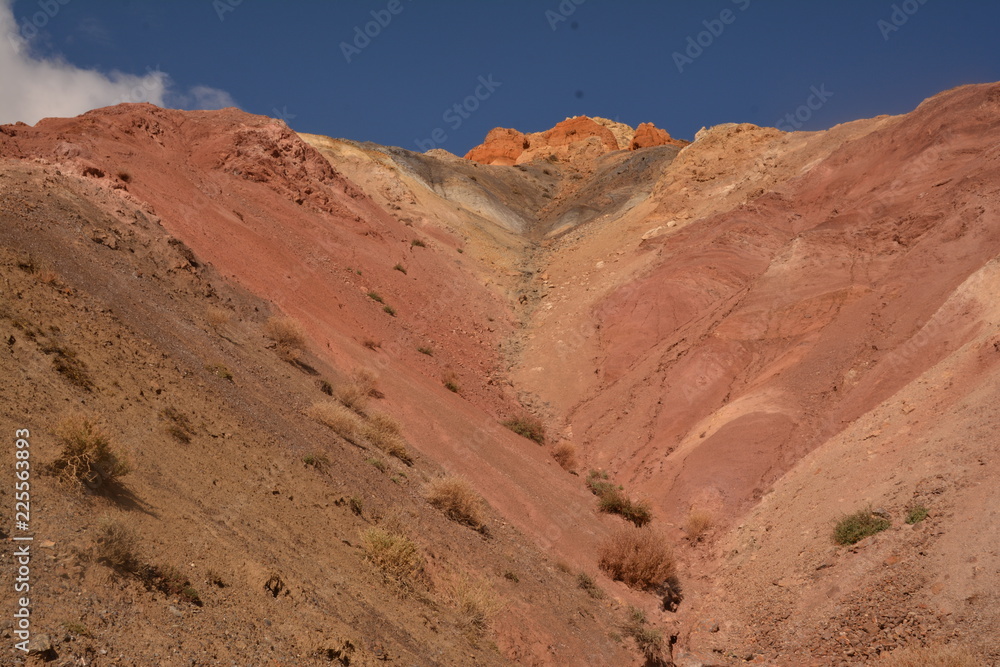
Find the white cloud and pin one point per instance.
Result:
(34, 87)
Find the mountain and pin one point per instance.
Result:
(297, 343)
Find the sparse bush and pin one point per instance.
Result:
(172, 581)
(378, 464)
(343, 422)
(930, 656)
(476, 601)
(853, 528)
(400, 268)
(382, 431)
(418, 243)
(637, 556)
(367, 382)
(117, 546)
(178, 425)
(451, 386)
(510, 575)
(916, 514)
(67, 364)
(698, 522)
(371, 344)
(317, 461)
(390, 310)
(326, 387)
(396, 555)
(454, 496)
(565, 455)
(375, 296)
(217, 317)
(426, 350)
(288, 335)
(599, 484)
(352, 396)
(615, 501)
(87, 455)
(356, 505)
(648, 640)
(220, 370)
(528, 427)
(587, 583)
(612, 499)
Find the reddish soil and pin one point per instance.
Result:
(762, 330)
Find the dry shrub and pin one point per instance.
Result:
(87, 455)
(334, 415)
(454, 496)
(476, 601)
(698, 522)
(352, 396)
(287, 335)
(639, 557)
(367, 382)
(382, 431)
(565, 455)
(648, 640)
(117, 546)
(217, 317)
(396, 555)
(931, 656)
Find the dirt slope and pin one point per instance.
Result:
(761, 330)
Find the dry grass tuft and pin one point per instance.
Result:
(217, 318)
(565, 455)
(382, 431)
(117, 546)
(476, 601)
(366, 381)
(352, 396)
(639, 557)
(396, 555)
(931, 656)
(454, 496)
(87, 455)
(697, 524)
(287, 335)
(344, 423)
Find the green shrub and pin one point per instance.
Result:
(853, 528)
(616, 502)
(528, 427)
(916, 514)
(400, 268)
(390, 310)
(426, 350)
(374, 296)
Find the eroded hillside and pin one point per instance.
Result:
(755, 333)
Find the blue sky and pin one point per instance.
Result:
(524, 64)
